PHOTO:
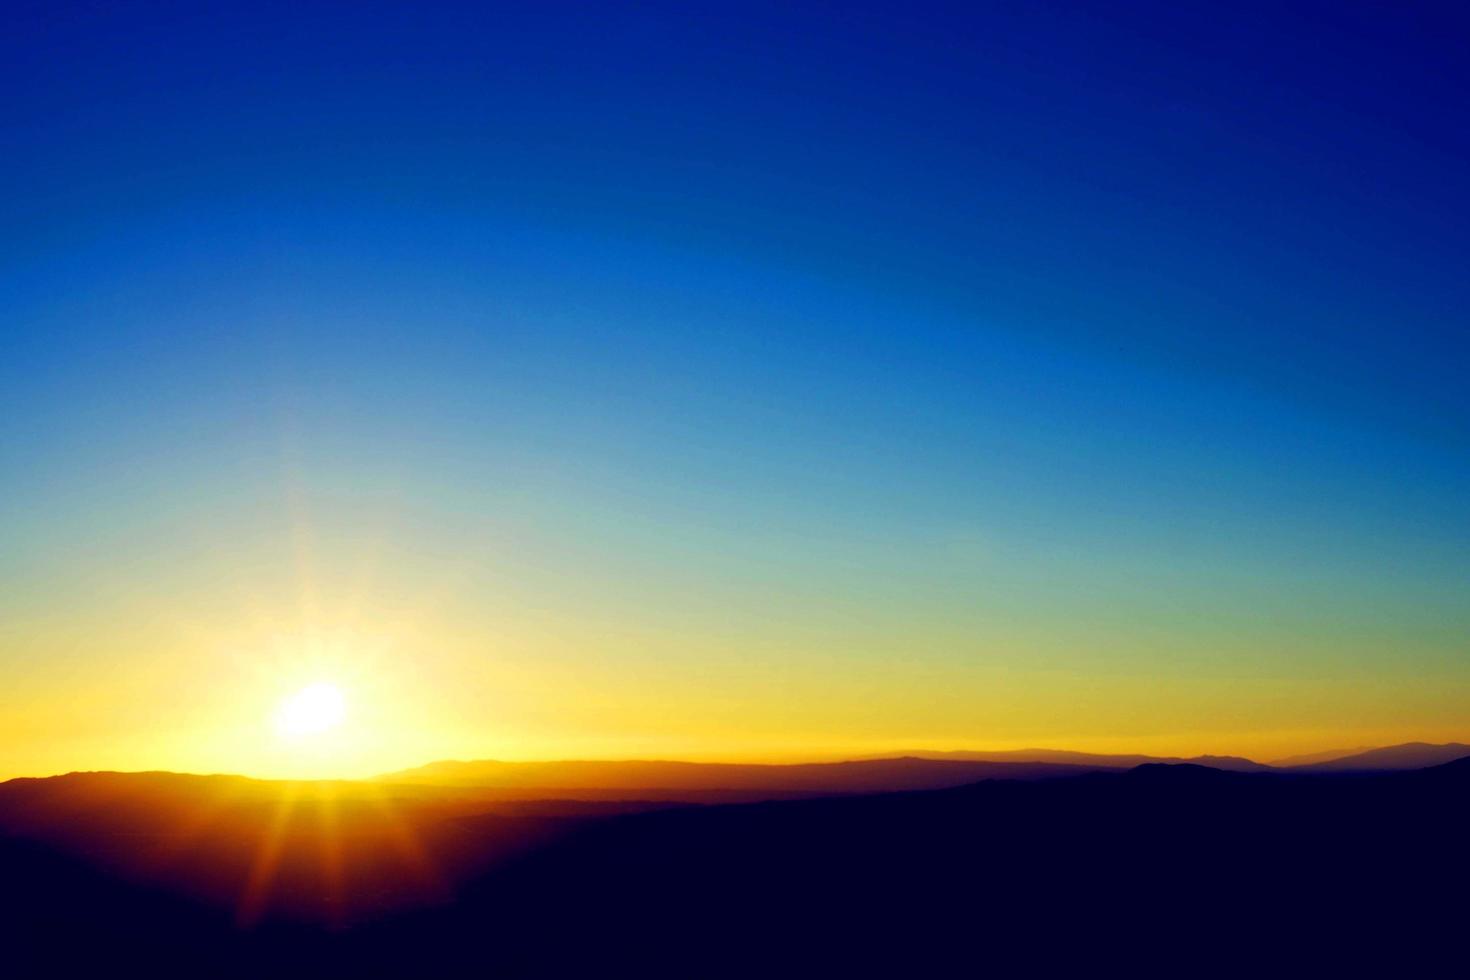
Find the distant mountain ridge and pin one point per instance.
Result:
(1410, 755)
(712, 781)
(1314, 758)
(895, 771)
(1088, 759)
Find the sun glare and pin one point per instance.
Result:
(312, 710)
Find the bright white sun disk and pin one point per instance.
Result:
(310, 711)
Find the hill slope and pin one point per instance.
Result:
(1162, 870)
(720, 782)
(1411, 755)
(1089, 760)
(1313, 758)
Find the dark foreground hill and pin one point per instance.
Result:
(1161, 870)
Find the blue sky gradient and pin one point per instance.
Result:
(1130, 337)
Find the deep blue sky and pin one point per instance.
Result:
(1134, 324)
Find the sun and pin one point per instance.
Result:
(314, 709)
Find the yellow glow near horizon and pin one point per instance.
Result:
(314, 709)
(203, 682)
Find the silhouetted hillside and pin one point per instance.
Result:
(1160, 870)
(325, 853)
(1312, 758)
(1167, 870)
(1411, 755)
(1088, 760)
(720, 782)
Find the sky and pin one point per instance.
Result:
(752, 381)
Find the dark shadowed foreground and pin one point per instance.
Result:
(1166, 870)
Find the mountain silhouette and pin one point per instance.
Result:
(1410, 755)
(1312, 758)
(721, 782)
(324, 853)
(1156, 870)
(1089, 760)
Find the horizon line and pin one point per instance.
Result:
(891, 755)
